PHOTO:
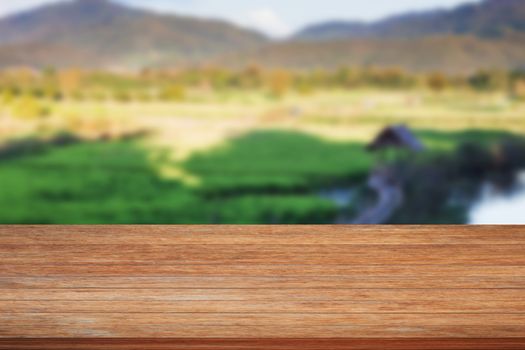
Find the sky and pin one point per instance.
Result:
(277, 18)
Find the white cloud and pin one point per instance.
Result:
(267, 21)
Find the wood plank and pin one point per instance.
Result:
(239, 282)
(151, 319)
(262, 344)
(480, 255)
(263, 325)
(131, 295)
(265, 235)
(264, 307)
(507, 274)
(248, 282)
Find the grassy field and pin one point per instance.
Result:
(116, 183)
(225, 158)
(278, 161)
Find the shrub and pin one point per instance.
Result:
(123, 96)
(489, 81)
(437, 82)
(28, 107)
(474, 159)
(279, 82)
(173, 93)
(7, 96)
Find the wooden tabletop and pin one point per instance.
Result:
(262, 287)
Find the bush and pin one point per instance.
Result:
(510, 154)
(474, 159)
(437, 82)
(518, 89)
(33, 145)
(490, 81)
(21, 147)
(123, 96)
(173, 93)
(280, 82)
(28, 107)
(7, 96)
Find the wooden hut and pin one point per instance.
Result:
(396, 137)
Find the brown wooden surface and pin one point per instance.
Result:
(262, 344)
(246, 285)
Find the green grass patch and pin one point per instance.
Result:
(91, 183)
(275, 209)
(114, 183)
(441, 141)
(278, 162)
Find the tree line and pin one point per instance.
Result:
(174, 84)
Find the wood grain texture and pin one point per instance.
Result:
(241, 286)
(261, 344)
(253, 254)
(279, 234)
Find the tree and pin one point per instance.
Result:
(490, 81)
(341, 76)
(518, 89)
(251, 77)
(21, 79)
(7, 96)
(437, 82)
(391, 78)
(280, 82)
(122, 95)
(517, 84)
(69, 81)
(27, 107)
(174, 92)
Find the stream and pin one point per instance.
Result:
(500, 206)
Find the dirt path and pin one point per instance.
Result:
(390, 198)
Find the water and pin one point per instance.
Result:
(342, 197)
(496, 206)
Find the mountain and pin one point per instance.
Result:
(481, 35)
(452, 54)
(103, 33)
(487, 19)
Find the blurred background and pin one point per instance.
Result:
(262, 112)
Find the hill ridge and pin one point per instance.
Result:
(116, 33)
(489, 18)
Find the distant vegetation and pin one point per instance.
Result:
(27, 90)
